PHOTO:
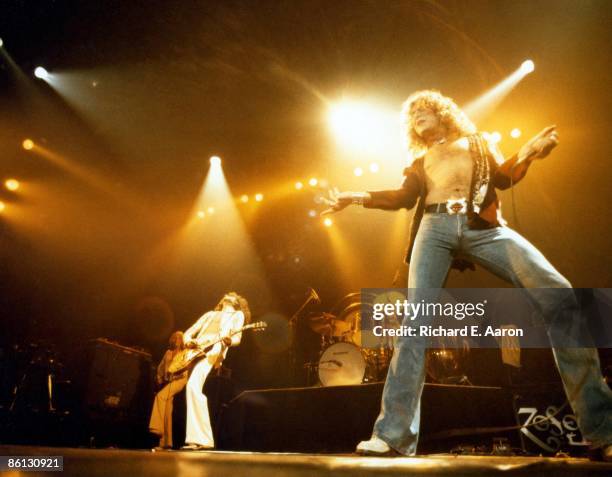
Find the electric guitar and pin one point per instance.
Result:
(187, 357)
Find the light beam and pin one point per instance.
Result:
(486, 103)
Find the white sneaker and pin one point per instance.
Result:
(375, 447)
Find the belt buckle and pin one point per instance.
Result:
(456, 206)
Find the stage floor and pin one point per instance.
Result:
(130, 463)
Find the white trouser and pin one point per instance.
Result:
(199, 430)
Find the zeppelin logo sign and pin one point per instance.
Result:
(550, 430)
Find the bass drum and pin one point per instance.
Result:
(341, 364)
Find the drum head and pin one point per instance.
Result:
(341, 364)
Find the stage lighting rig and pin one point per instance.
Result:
(527, 67)
(41, 73)
(11, 184)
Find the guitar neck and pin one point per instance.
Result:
(231, 333)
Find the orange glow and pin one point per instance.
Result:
(83, 173)
(2, 206)
(11, 184)
(224, 231)
(344, 255)
(201, 214)
(363, 126)
(259, 197)
(27, 144)
(244, 198)
(495, 137)
(299, 185)
(328, 222)
(516, 132)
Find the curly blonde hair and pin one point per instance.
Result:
(451, 117)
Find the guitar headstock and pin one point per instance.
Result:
(257, 326)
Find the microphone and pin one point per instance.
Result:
(314, 295)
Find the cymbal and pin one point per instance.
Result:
(323, 324)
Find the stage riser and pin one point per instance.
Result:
(335, 419)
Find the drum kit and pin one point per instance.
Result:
(343, 357)
(350, 354)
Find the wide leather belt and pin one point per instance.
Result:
(449, 207)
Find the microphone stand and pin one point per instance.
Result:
(293, 321)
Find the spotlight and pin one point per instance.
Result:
(1, 43)
(258, 197)
(41, 73)
(313, 181)
(299, 185)
(210, 210)
(516, 132)
(328, 222)
(527, 67)
(2, 206)
(374, 168)
(312, 213)
(244, 198)
(201, 214)
(495, 137)
(358, 171)
(215, 161)
(27, 144)
(11, 184)
(360, 125)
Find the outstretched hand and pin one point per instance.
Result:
(539, 146)
(337, 201)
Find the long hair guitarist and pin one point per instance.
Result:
(230, 314)
(160, 423)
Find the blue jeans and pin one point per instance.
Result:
(508, 255)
